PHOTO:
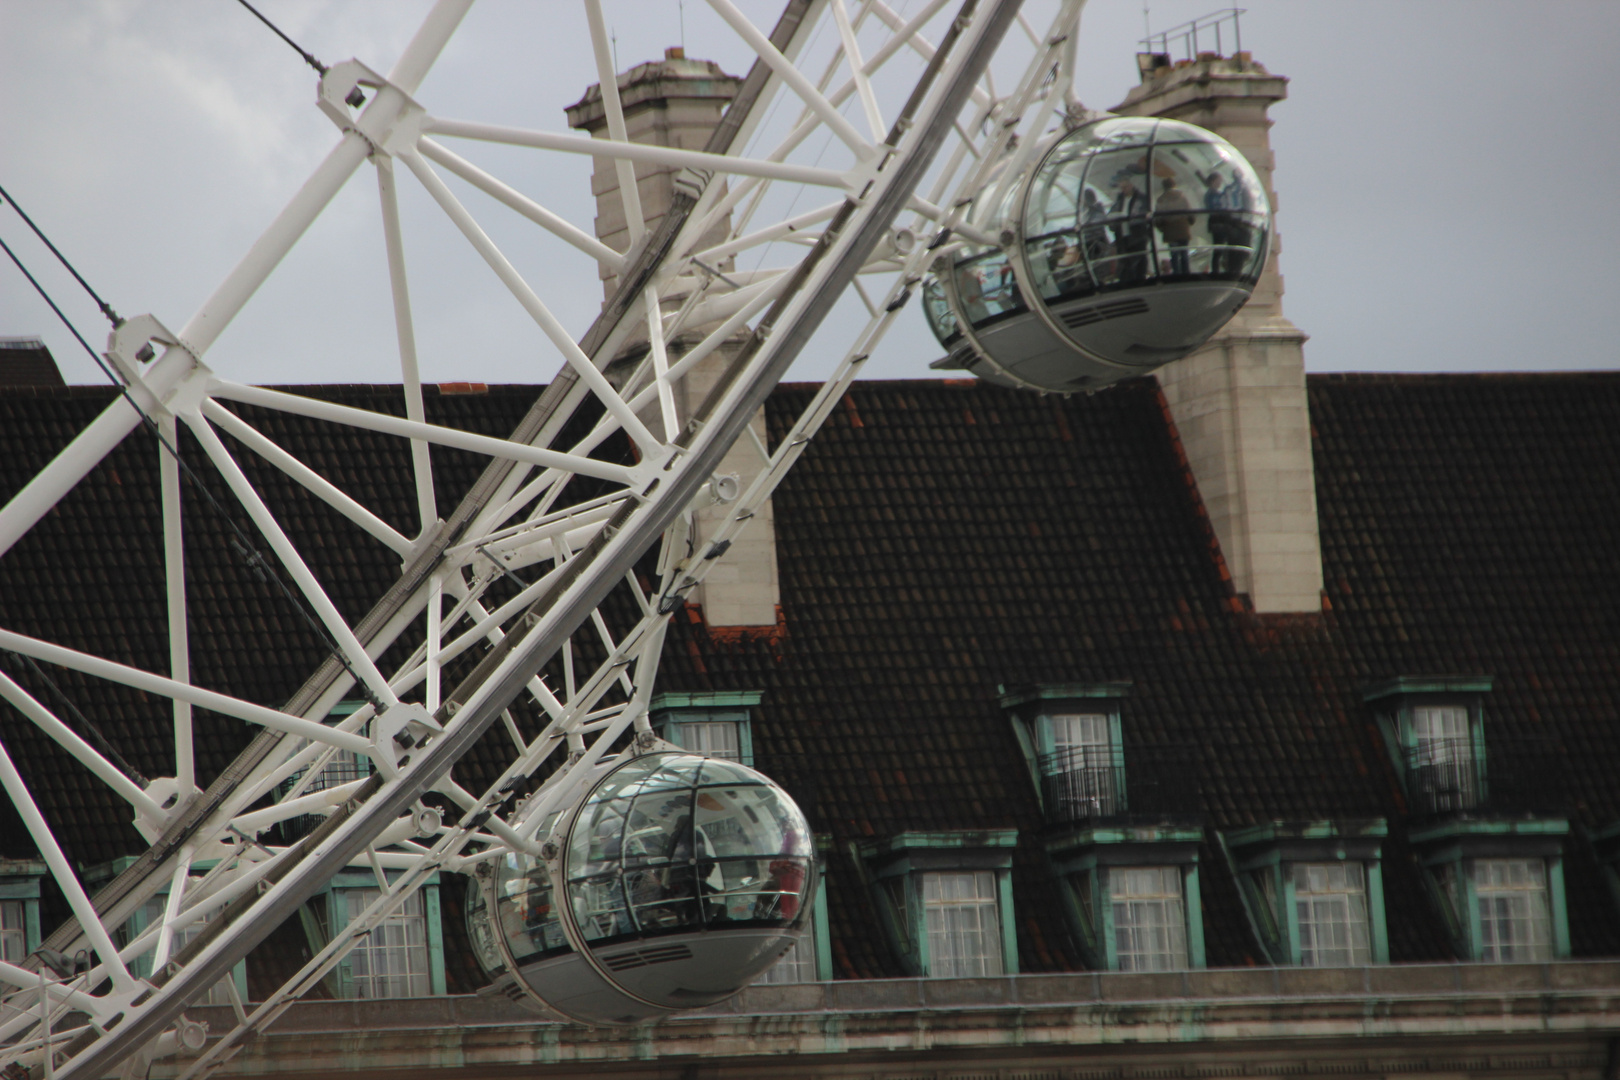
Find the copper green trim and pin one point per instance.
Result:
(1011, 699)
(1491, 827)
(712, 699)
(1124, 834)
(937, 841)
(1273, 831)
(1428, 684)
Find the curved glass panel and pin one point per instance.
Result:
(686, 842)
(987, 288)
(525, 913)
(937, 310)
(480, 930)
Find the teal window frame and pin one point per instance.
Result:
(1394, 701)
(671, 712)
(894, 868)
(20, 882)
(340, 978)
(1456, 844)
(1087, 856)
(1262, 857)
(1030, 710)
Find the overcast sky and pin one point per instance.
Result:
(1445, 176)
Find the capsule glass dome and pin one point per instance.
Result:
(685, 876)
(1129, 244)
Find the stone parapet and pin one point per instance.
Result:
(1435, 1020)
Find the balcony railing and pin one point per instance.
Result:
(1448, 776)
(1084, 784)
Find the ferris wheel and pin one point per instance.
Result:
(545, 584)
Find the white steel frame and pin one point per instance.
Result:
(518, 517)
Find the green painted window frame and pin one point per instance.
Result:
(339, 978)
(894, 869)
(1030, 710)
(1087, 856)
(20, 882)
(671, 712)
(1262, 858)
(1456, 845)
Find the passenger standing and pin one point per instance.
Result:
(1174, 224)
(1236, 197)
(1130, 230)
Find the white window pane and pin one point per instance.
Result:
(1515, 922)
(1330, 907)
(961, 917)
(1150, 919)
(392, 960)
(713, 738)
(13, 934)
(1080, 731)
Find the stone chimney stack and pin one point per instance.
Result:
(678, 102)
(1239, 402)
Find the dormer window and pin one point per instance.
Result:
(1070, 735)
(946, 900)
(1434, 728)
(1314, 890)
(713, 723)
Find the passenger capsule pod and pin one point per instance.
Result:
(1129, 244)
(684, 878)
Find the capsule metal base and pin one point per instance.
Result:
(1132, 333)
(695, 969)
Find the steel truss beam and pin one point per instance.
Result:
(590, 548)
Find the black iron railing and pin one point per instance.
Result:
(1082, 784)
(1448, 776)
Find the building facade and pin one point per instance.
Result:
(1284, 740)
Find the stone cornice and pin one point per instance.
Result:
(1419, 1012)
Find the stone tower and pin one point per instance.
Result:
(677, 102)
(1239, 402)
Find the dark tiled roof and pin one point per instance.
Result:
(939, 540)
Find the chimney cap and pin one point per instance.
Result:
(669, 79)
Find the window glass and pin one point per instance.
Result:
(1083, 771)
(963, 924)
(1083, 737)
(711, 738)
(1442, 773)
(1515, 923)
(13, 932)
(1150, 919)
(798, 964)
(987, 288)
(392, 960)
(1330, 907)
